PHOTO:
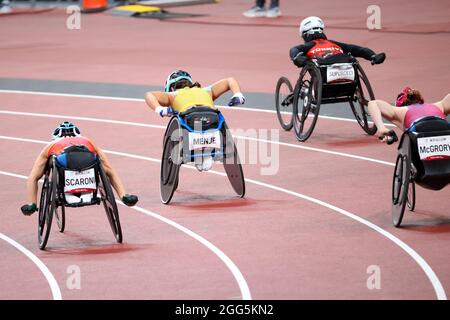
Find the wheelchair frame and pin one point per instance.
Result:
(411, 170)
(176, 152)
(310, 93)
(52, 198)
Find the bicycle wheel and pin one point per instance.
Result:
(363, 95)
(47, 205)
(400, 183)
(109, 203)
(171, 161)
(232, 164)
(411, 197)
(60, 217)
(307, 99)
(284, 103)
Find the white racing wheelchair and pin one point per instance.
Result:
(338, 78)
(75, 178)
(424, 159)
(197, 135)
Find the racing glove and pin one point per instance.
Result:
(164, 111)
(378, 58)
(237, 98)
(300, 60)
(130, 199)
(28, 209)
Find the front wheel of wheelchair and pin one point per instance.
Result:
(363, 95)
(307, 99)
(60, 214)
(411, 198)
(47, 205)
(171, 161)
(232, 164)
(401, 182)
(284, 103)
(109, 203)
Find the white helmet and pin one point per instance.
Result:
(311, 25)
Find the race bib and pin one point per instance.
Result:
(83, 181)
(199, 140)
(340, 72)
(433, 148)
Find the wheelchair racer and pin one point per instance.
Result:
(317, 46)
(409, 107)
(181, 93)
(64, 136)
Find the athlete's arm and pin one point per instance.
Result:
(355, 50)
(110, 172)
(300, 49)
(379, 109)
(36, 173)
(444, 104)
(222, 86)
(156, 99)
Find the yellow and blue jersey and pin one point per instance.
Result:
(186, 98)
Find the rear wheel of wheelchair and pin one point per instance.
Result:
(47, 206)
(307, 99)
(401, 181)
(363, 95)
(109, 203)
(171, 161)
(284, 103)
(232, 163)
(60, 214)
(411, 197)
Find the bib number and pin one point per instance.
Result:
(340, 72)
(434, 148)
(198, 140)
(83, 181)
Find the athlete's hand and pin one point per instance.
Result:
(164, 111)
(29, 209)
(389, 137)
(237, 98)
(378, 58)
(130, 199)
(300, 60)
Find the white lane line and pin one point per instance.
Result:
(138, 124)
(54, 287)
(88, 96)
(242, 283)
(237, 274)
(431, 275)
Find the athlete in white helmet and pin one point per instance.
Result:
(318, 46)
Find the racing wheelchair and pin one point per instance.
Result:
(338, 78)
(75, 178)
(192, 136)
(424, 159)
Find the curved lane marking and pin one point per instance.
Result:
(237, 274)
(54, 287)
(431, 275)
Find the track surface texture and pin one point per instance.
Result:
(310, 231)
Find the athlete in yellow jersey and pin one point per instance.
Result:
(181, 93)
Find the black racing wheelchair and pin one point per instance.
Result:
(193, 136)
(424, 159)
(75, 178)
(338, 78)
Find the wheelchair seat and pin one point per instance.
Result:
(336, 86)
(201, 119)
(77, 157)
(433, 168)
(77, 167)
